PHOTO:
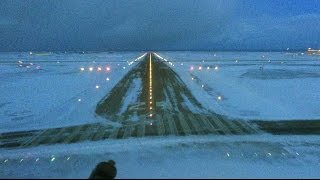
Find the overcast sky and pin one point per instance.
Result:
(98, 25)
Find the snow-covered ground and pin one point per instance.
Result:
(53, 91)
(259, 156)
(253, 85)
(59, 93)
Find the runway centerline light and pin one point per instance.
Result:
(82, 69)
(90, 68)
(97, 86)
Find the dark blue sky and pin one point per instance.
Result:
(97, 25)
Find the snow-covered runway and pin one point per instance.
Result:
(58, 93)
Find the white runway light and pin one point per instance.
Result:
(90, 68)
(82, 69)
(219, 98)
(79, 100)
(99, 68)
(97, 86)
(216, 68)
(108, 68)
(107, 79)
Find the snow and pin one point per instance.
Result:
(32, 98)
(49, 97)
(286, 89)
(131, 96)
(259, 156)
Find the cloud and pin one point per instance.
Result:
(153, 24)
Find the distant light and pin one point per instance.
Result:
(297, 153)
(124, 67)
(150, 102)
(99, 68)
(192, 78)
(107, 79)
(200, 68)
(181, 64)
(21, 160)
(68, 158)
(30, 53)
(269, 154)
(20, 62)
(31, 64)
(82, 69)
(288, 49)
(97, 86)
(108, 68)
(236, 61)
(216, 68)
(228, 154)
(191, 68)
(37, 159)
(208, 68)
(150, 108)
(150, 115)
(79, 99)
(6, 160)
(150, 124)
(219, 97)
(20, 65)
(52, 159)
(90, 68)
(202, 86)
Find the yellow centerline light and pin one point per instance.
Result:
(150, 87)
